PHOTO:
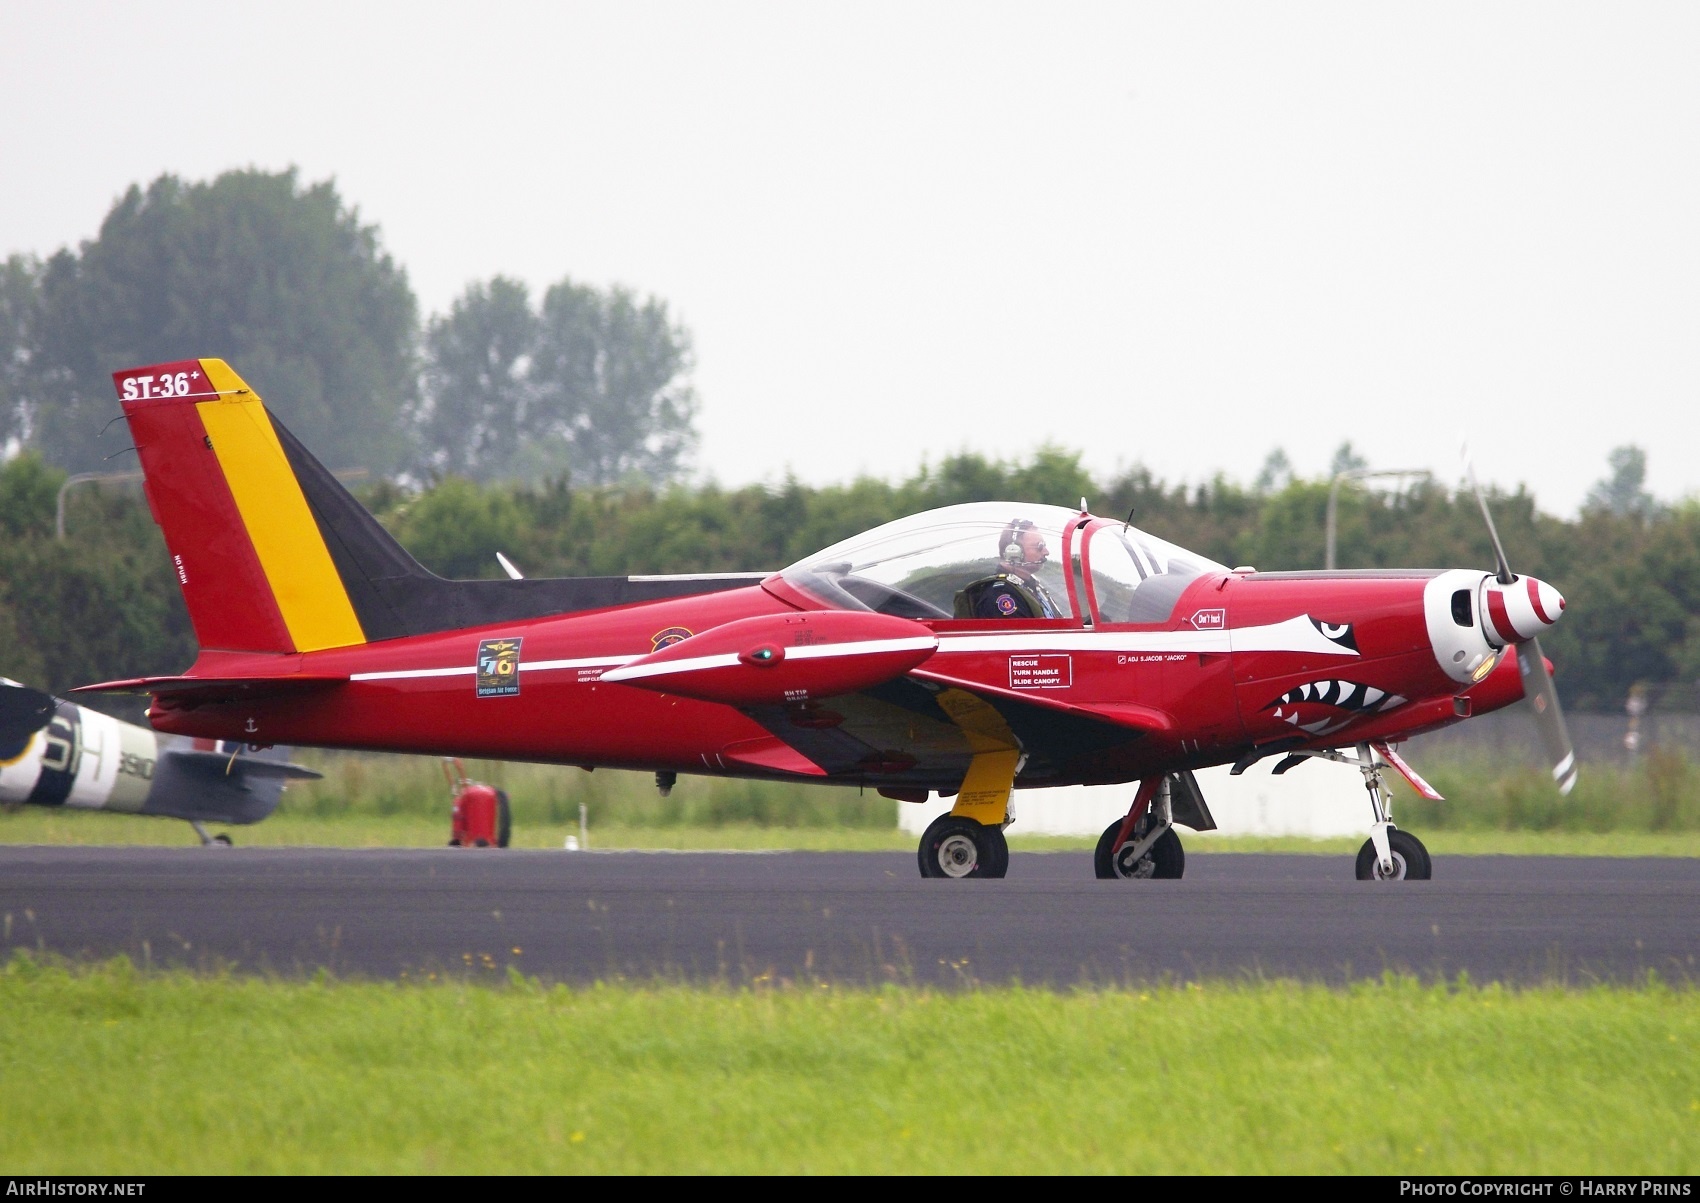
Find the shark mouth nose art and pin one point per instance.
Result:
(1322, 701)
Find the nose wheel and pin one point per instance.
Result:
(1406, 852)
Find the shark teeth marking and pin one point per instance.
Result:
(1340, 694)
(1324, 726)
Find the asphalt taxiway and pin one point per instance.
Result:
(862, 918)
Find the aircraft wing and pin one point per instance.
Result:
(916, 728)
(845, 694)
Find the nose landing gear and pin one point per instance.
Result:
(1389, 854)
(1405, 854)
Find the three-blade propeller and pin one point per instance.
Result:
(1537, 679)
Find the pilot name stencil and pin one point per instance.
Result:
(1040, 672)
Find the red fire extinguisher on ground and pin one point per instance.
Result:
(481, 817)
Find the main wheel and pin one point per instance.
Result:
(221, 838)
(1410, 859)
(958, 847)
(1165, 858)
(504, 819)
(997, 850)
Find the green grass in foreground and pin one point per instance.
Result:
(110, 1071)
(37, 825)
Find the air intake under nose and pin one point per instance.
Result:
(1518, 611)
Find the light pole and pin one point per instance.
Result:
(1358, 474)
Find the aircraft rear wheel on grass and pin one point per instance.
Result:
(1410, 859)
(958, 847)
(1164, 859)
(221, 838)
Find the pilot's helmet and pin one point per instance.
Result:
(1012, 545)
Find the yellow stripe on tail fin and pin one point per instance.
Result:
(304, 582)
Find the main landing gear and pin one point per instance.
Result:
(1143, 843)
(968, 842)
(954, 846)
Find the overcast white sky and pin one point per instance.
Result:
(1180, 234)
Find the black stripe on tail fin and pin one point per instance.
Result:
(394, 595)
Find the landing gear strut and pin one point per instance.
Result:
(1144, 843)
(209, 840)
(1389, 854)
(968, 842)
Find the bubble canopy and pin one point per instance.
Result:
(921, 566)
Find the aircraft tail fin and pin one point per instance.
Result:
(271, 552)
(274, 555)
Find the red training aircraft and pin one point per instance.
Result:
(971, 650)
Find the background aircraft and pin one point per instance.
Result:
(971, 650)
(57, 753)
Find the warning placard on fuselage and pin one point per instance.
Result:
(1041, 672)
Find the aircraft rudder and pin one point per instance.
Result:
(216, 468)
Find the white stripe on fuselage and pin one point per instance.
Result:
(1293, 635)
(467, 670)
(811, 651)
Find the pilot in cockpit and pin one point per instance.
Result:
(1013, 591)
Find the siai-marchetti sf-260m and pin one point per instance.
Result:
(972, 650)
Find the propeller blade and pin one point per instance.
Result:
(23, 712)
(1549, 718)
(1506, 576)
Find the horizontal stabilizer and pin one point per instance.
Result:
(245, 766)
(216, 689)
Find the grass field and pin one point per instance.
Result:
(106, 1070)
(110, 1070)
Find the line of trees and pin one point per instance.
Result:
(284, 280)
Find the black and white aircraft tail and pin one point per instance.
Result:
(57, 753)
